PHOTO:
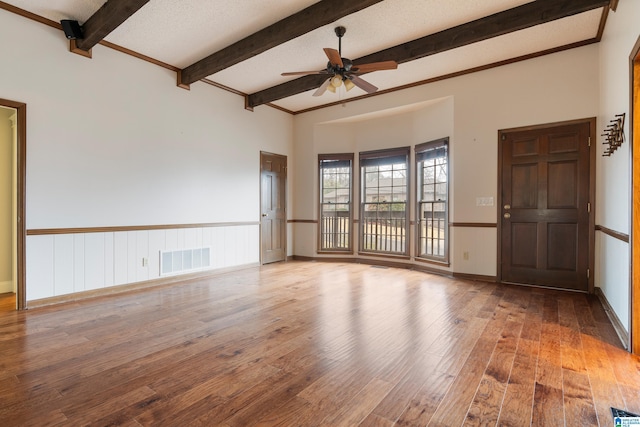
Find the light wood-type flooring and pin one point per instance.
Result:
(317, 344)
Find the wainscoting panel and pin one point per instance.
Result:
(120, 266)
(40, 249)
(142, 252)
(61, 264)
(78, 263)
(157, 243)
(94, 261)
(132, 258)
(109, 256)
(215, 238)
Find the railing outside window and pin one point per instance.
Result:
(335, 202)
(384, 227)
(335, 229)
(432, 229)
(432, 203)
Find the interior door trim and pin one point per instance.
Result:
(592, 191)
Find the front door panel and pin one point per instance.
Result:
(545, 206)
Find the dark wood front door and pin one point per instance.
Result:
(545, 209)
(273, 223)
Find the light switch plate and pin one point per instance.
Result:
(484, 201)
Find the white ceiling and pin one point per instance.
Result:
(182, 32)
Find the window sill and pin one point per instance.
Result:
(334, 252)
(433, 261)
(385, 255)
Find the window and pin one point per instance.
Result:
(432, 201)
(383, 208)
(335, 202)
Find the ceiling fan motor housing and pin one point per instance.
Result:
(334, 69)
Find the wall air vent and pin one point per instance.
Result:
(184, 260)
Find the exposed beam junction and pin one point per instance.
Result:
(105, 20)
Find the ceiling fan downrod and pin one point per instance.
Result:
(340, 32)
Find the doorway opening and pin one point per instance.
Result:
(13, 152)
(273, 206)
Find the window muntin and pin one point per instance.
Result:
(383, 217)
(335, 202)
(432, 201)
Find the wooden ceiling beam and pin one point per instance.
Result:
(105, 20)
(322, 13)
(518, 18)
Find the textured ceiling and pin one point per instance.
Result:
(182, 32)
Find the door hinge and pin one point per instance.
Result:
(588, 273)
(589, 141)
(589, 207)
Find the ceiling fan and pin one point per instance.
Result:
(342, 70)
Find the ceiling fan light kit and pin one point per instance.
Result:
(342, 70)
(348, 85)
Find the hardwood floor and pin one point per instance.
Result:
(317, 344)
(7, 302)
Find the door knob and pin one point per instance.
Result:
(507, 207)
(507, 215)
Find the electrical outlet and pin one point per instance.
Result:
(145, 262)
(465, 256)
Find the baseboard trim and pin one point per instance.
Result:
(615, 321)
(6, 287)
(133, 287)
(476, 277)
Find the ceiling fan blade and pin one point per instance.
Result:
(303, 73)
(334, 57)
(375, 66)
(323, 87)
(363, 84)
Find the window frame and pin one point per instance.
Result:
(379, 156)
(335, 157)
(442, 143)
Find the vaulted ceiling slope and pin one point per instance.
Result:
(244, 46)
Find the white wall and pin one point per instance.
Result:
(613, 178)
(111, 141)
(6, 205)
(557, 87)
